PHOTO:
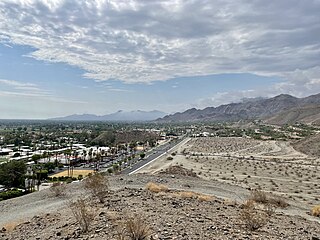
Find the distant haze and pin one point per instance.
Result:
(117, 116)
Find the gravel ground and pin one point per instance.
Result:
(43, 216)
(170, 215)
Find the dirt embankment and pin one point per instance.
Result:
(170, 214)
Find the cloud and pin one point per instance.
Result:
(17, 84)
(145, 41)
(302, 83)
(30, 90)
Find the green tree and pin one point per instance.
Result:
(142, 155)
(12, 174)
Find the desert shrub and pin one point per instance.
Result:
(259, 196)
(204, 198)
(156, 188)
(58, 189)
(83, 213)
(68, 180)
(61, 178)
(169, 158)
(277, 201)
(186, 194)
(189, 194)
(134, 228)
(316, 211)
(97, 185)
(251, 217)
(10, 226)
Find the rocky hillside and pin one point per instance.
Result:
(163, 213)
(255, 109)
(309, 145)
(307, 115)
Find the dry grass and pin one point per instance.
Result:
(134, 228)
(156, 188)
(259, 196)
(194, 195)
(316, 211)
(76, 173)
(186, 194)
(252, 218)
(9, 227)
(83, 213)
(205, 198)
(97, 185)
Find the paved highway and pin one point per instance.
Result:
(151, 156)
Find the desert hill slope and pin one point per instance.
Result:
(248, 110)
(307, 115)
(170, 214)
(309, 145)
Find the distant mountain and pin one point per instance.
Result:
(132, 116)
(248, 110)
(307, 114)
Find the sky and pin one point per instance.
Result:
(62, 57)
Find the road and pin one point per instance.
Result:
(151, 156)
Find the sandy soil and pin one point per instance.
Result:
(76, 173)
(269, 165)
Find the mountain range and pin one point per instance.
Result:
(280, 109)
(123, 116)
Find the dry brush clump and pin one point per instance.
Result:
(134, 228)
(156, 188)
(189, 194)
(58, 189)
(97, 185)
(251, 217)
(83, 213)
(259, 196)
(316, 211)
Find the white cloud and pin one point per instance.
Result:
(145, 41)
(30, 90)
(16, 83)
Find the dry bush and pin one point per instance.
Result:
(83, 213)
(316, 211)
(278, 201)
(156, 188)
(9, 227)
(251, 217)
(58, 189)
(259, 196)
(97, 185)
(205, 198)
(134, 228)
(189, 194)
(186, 194)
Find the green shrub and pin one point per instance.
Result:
(11, 194)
